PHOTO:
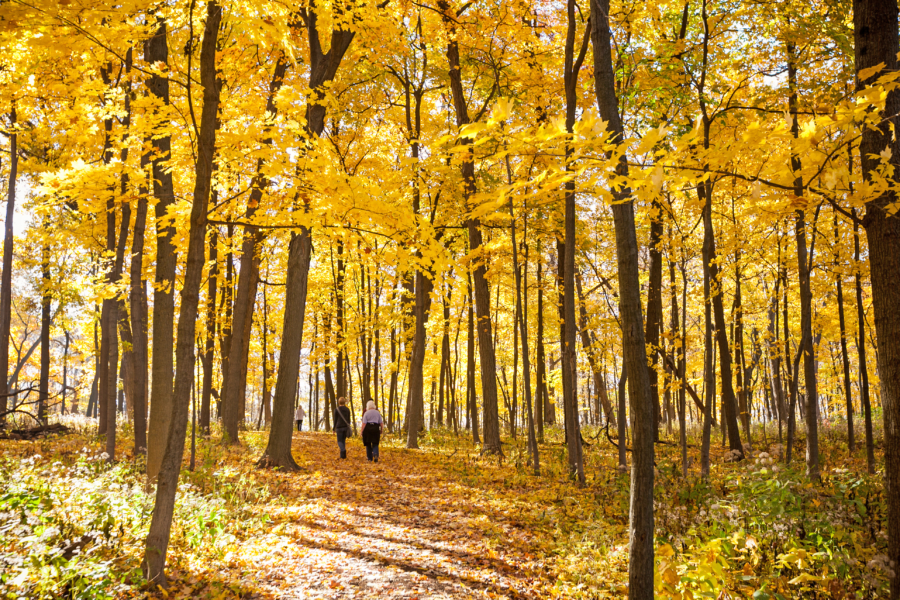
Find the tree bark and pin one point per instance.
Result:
(567, 262)
(6, 277)
(641, 528)
(156, 50)
(876, 36)
(209, 341)
(46, 297)
(233, 396)
(138, 306)
(470, 366)
(416, 406)
(845, 359)
(803, 264)
(323, 67)
(157, 543)
(482, 294)
(861, 356)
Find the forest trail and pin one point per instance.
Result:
(401, 528)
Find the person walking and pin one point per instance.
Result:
(372, 423)
(299, 416)
(342, 425)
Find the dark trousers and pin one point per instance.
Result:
(371, 438)
(342, 438)
(372, 450)
(299, 424)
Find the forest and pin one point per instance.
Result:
(616, 285)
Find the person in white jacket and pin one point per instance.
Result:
(299, 416)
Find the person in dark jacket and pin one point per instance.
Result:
(342, 425)
(371, 431)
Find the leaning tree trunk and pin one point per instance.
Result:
(634, 350)
(157, 543)
(876, 36)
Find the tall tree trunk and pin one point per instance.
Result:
(774, 353)
(522, 302)
(654, 305)
(416, 405)
(740, 363)
(234, 388)
(845, 359)
(861, 355)
(470, 366)
(323, 67)
(678, 353)
(156, 50)
(157, 543)
(445, 357)
(46, 297)
(876, 36)
(803, 264)
(138, 312)
(641, 560)
(567, 262)
(543, 402)
(209, 341)
(482, 294)
(6, 277)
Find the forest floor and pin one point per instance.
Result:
(404, 527)
(440, 522)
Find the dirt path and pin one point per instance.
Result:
(402, 528)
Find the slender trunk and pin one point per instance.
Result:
(522, 302)
(654, 305)
(471, 399)
(622, 425)
(567, 259)
(740, 363)
(233, 396)
(641, 528)
(138, 312)
(479, 280)
(445, 357)
(845, 360)
(542, 405)
(167, 484)
(46, 297)
(803, 264)
(6, 277)
(416, 405)
(209, 338)
(861, 355)
(678, 353)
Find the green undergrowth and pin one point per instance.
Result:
(72, 525)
